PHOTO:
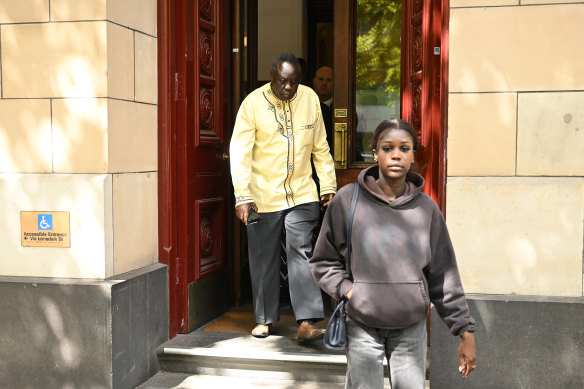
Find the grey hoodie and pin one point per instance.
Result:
(402, 257)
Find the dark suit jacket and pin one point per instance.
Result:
(327, 115)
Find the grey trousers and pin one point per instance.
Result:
(264, 263)
(404, 349)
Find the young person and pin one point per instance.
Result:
(402, 259)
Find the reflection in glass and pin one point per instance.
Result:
(378, 63)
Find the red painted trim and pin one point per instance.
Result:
(444, 100)
(167, 207)
(432, 98)
(438, 100)
(406, 93)
(181, 37)
(435, 98)
(427, 87)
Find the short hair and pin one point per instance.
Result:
(394, 124)
(284, 57)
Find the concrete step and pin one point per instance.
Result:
(224, 355)
(238, 355)
(186, 381)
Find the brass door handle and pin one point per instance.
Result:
(340, 145)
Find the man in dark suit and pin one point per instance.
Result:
(322, 84)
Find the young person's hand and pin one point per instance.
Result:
(349, 294)
(467, 354)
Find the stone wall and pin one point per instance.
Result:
(66, 333)
(78, 133)
(515, 191)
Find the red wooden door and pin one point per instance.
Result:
(193, 167)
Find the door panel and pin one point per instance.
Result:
(344, 93)
(202, 167)
(423, 89)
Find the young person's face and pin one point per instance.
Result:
(286, 80)
(394, 154)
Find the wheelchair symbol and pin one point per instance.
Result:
(45, 224)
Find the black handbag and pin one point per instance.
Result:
(335, 337)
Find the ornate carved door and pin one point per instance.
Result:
(194, 129)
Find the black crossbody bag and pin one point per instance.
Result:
(335, 337)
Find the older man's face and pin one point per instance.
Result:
(323, 83)
(285, 81)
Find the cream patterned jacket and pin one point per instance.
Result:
(270, 150)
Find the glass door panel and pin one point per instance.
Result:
(378, 61)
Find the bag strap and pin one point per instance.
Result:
(351, 214)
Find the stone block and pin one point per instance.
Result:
(481, 3)
(140, 323)
(87, 198)
(79, 59)
(80, 135)
(532, 2)
(146, 57)
(531, 48)
(91, 136)
(135, 204)
(55, 334)
(24, 11)
(522, 342)
(120, 62)
(138, 15)
(69, 10)
(25, 133)
(64, 333)
(550, 140)
(517, 235)
(54, 60)
(480, 127)
(138, 123)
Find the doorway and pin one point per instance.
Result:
(212, 49)
(390, 59)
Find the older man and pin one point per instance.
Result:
(278, 128)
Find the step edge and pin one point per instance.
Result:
(265, 356)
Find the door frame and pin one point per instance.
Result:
(169, 88)
(167, 164)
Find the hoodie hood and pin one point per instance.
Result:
(367, 180)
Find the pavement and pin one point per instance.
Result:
(185, 381)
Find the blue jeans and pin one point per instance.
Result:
(405, 350)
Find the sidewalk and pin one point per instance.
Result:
(185, 381)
